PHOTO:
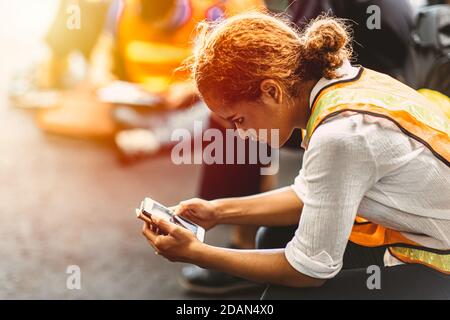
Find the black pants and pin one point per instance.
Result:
(411, 281)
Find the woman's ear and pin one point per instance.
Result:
(271, 91)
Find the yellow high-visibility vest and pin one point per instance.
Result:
(424, 116)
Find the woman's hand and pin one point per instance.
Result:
(169, 240)
(199, 211)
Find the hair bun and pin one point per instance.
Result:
(325, 47)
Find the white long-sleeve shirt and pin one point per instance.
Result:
(357, 163)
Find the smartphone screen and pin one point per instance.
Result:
(163, 211)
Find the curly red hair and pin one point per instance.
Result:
(232, 57)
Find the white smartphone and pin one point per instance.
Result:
(150, 207)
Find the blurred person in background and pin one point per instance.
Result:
(136, 56)
(396, 20)
(64, 41)
(37, 85)
(428, 64)
(145, 41)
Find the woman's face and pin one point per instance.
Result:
(268, 119)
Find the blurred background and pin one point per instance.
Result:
(90, 92)
(67, 201)
(68, 198)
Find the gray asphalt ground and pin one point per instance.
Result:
(69, 202)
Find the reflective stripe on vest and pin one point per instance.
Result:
(380, 95)
(439, 262)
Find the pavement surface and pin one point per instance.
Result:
(70, 202)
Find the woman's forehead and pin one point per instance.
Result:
(226, 109)
(218, 105)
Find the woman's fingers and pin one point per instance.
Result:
(150, 222)
(145, 218)
(186, 205)
(174, 242)
(151, 236)
(186, 211)
(164, 225)
(148, 233)
(170, 228)
(178, 209)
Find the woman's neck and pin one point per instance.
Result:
(301, 102)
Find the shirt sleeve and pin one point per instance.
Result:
(338, 170)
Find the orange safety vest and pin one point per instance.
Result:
(426, 120)
(150, 56)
